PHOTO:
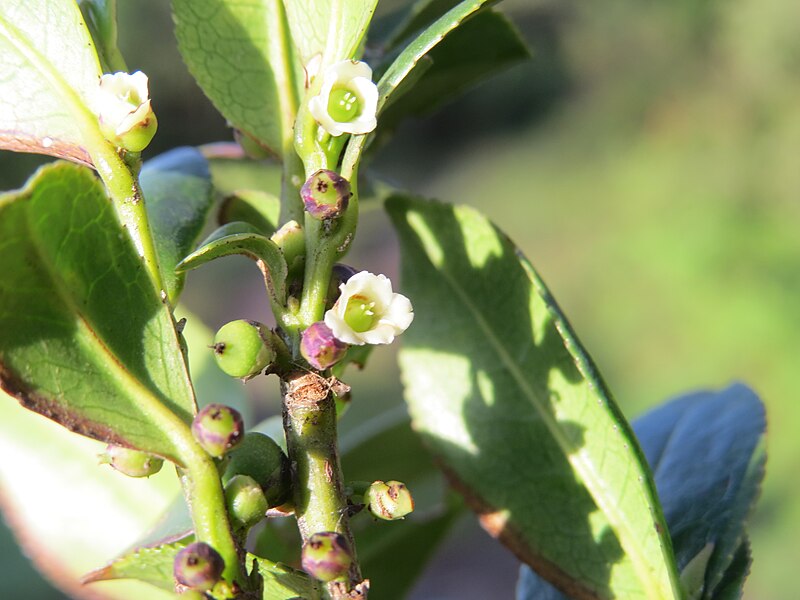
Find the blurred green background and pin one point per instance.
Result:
(647, 161)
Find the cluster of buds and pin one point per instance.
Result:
(261, 459)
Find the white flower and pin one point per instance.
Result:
(368, 312)
(122, 104)
(348, 100)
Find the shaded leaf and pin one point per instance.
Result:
(416, 16)
(70, 513)
(732, 582)
(512, 406)
(177, 189)
(333, 28)
(150, 565)
(242, 57)
(259, 209)
(706, 452)
(50, 71)
(242, 238)
(86, 341)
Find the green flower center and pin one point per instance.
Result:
(360, 314)
(343, 105)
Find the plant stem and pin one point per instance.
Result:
(309, 420)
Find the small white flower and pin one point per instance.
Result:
(368, 312)
(348, 99)
(122, 104)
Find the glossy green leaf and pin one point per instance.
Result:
(241, 55)
(259, 209)
(50, 71)
(513, 408)
(86, 341)
(242, 238)
(70, 513)
(416, 16)
(457, 63)
(707, 455)
(330, 28)
(282, 582)
(101, 20)
(177, 189)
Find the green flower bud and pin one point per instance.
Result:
(246, 501)
(259, 457)
(198, 566)
(241, 349)
(218, 428)
(389, 501)
(326, 556)
(326, 194)
(292, 242)
(132, 463)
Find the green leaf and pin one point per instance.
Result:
(69, 512)
(241, 55)
(177, 189)
(707, 454)
(259, 209)
(151, 565)
(457, 63)
(50, 71)
(416, 16)
(333, 29)
(513, 408)
(282, 582)
(732, 582)
(86, 341)
(242, 238)
(101, 20)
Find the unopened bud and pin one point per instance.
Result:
(241, 349)
(292, 242)
(320, 348)
(198, 566)
(259, 457)
(218, 428)
(389, 501)
(132, 463)
(246, 501)
(326, 556)
(326, 194)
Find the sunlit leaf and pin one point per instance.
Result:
(50, 71)
(512, 406)
(330, 28)
(243, 58)
(86, 340)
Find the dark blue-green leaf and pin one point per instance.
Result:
(177, 189)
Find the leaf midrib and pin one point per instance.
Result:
(575, 456)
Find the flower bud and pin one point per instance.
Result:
(122, 104)
(218, 428)
(389, 501)
(246, 501)
(259, 457)
(132, 463)
(198, 566)
(320, 348)
(241, 349)
(292, 242)
(326, 194)
(326, 556)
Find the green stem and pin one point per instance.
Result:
(309, 420)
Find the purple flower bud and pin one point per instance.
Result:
(218, 428)
(132, 463)
(198, 566)
(326, 556)
(389, 501)
(326, 194)
(320, 348)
